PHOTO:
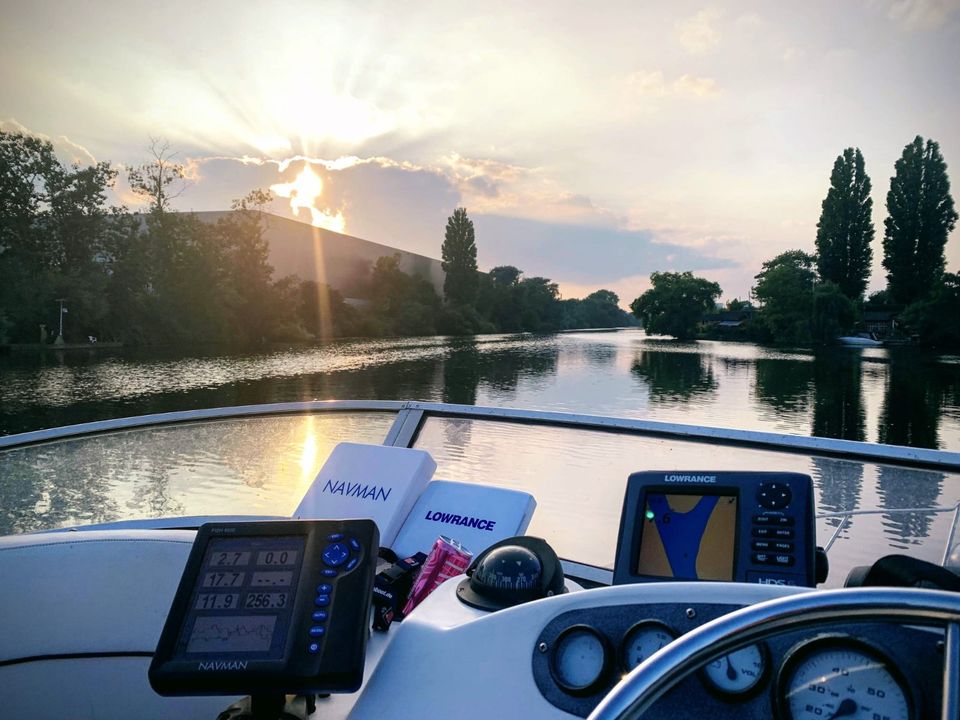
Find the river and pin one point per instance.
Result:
(901, 397)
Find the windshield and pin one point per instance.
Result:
(736, 216)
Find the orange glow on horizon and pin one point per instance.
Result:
(303, 193)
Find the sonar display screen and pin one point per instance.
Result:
(688, 537)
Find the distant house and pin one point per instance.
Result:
(729, 319)
(880, 322)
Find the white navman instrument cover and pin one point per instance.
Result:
(475, 515)
(368, 481)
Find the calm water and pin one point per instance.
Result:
(898, 397)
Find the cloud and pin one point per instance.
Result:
(698, 34)
(920, 14)
(67, 150)
(652, 83)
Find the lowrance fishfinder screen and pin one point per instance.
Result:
(242, 600)
(688, 537)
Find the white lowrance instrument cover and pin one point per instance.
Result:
(368, 481)
(475, 515)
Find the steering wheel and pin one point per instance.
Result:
(663, 670)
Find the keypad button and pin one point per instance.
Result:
(783, 560)
(761, 545)
(313, 648)
(328, 572)
(321, 600)
(324, 588)
(783, 520)
(774, 496)
(762, 519)
(353, 563)
(783, 533)
(333, 537)
(319, 615)
(760, 558)
(317, 630)
(355, 544)
(336, 554)
(762, 532)
(783, 547)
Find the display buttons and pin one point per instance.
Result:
(321, 600)
(783, 520)
(336, 554)
(355, 544)
(783, 560)
(774, 496)
(324, 588)
(319, 615)
(760, 558)
(782, 533)
(762, 532)
(353, 563)
(333, 537)
(762, 519)
(327, 572)
(317, 630)
(313, 648)
(761, 545)
(783, 547)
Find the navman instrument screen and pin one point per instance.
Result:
(688, 537)
(277, 607)
(729, 526)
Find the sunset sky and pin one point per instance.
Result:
(592, 143)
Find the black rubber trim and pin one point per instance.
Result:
(76, 656)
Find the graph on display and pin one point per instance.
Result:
(236, 633)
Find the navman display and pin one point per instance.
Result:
(279, 607)
(721, 526)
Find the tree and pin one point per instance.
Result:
(459, 253)
(920, 216)
(845, 230)
(833, 313)
(784, 290)
(675, 304)
(936, 318)
(159, 181)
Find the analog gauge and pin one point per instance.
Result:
(839, 679)
(738, 672)
(580, 660)
(643, 640)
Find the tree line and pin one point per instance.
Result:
(812, 298)
(163, 277)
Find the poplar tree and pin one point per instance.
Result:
(920, 216)
(845, 230)
(459, 254)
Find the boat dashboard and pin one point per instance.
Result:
(92, 637)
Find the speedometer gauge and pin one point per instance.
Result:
(642, 641)
(839, 677)
(737, 673)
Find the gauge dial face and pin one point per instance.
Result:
(643, 640)
(580, 659)
(737, 673)
(839, 681)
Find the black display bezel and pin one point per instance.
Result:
(688, 490)
(602, 676)
(335, 665)
(624, 665)
(804, 649)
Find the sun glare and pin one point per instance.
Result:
(303, 193)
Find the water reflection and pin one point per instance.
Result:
(904, 488)
(839, 484)
(911, 407)
(838, 410)
(784, 384)
(672, 376)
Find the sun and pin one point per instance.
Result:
(303, 193)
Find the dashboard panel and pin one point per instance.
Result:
(887, 671)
